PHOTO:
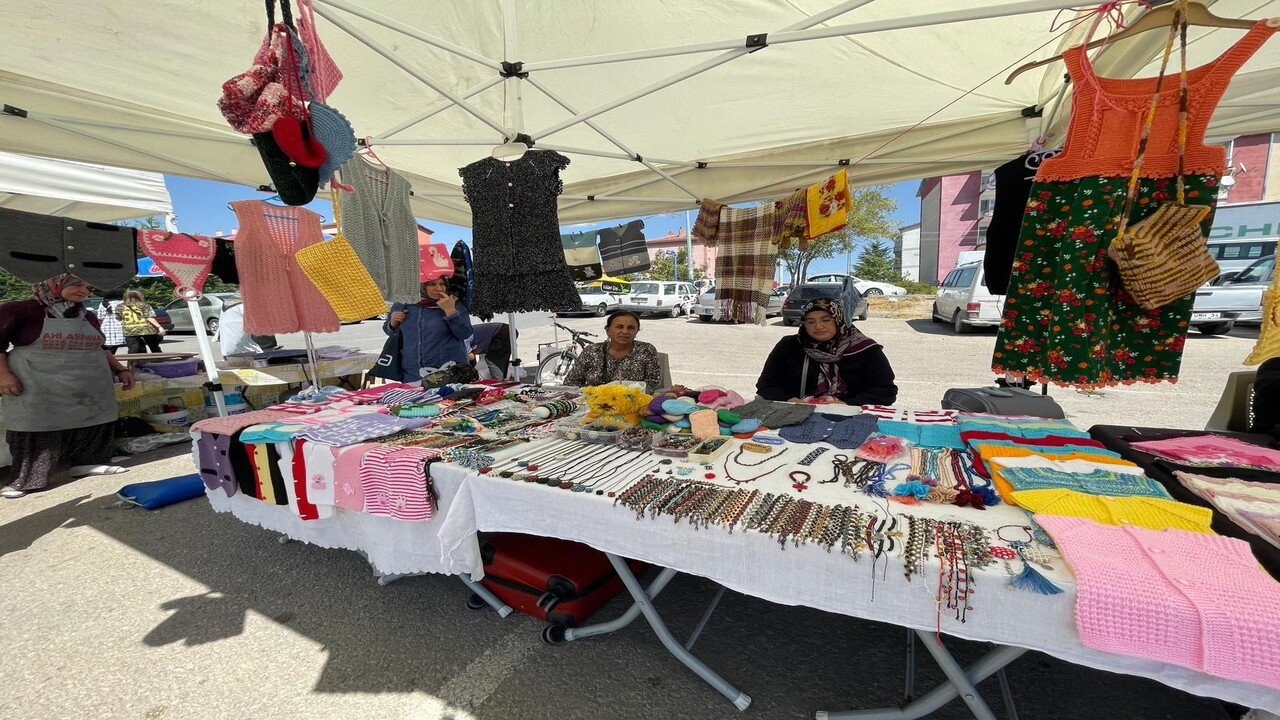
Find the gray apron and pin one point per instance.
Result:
(66, 380)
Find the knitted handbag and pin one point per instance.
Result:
(186, 259)
(337, 273)
(1268, 344)
(1164, 256)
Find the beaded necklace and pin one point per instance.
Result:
(729, 475)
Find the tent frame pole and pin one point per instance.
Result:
(403, 29)
(603, 133)
(629, 186)
(733, 54)
(802, 33)
(383, 136)
(394, 59)
(515, 106)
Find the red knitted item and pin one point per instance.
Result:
(278, 297)
(185, 259)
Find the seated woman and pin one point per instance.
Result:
(621, 357)
(828, 358)
(432, 332)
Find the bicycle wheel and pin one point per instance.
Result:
(553, 368)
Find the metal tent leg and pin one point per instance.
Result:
(960, 682)
(581, 633)
(740, 699)
(483, 593)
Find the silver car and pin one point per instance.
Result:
(211, 306)
(1219, 308)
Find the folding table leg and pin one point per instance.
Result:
(658, 585)
(960, 682)
(483, 593)
(644, 603)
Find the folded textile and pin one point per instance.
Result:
(1021, 428)
(1097, 482)
(214, 453)
(974, 436)
(843, 431)
(360, 428)
(231, 424)
(1191, 599)
(925, 434)
(774, 414)
(888, 412)
(986, 448)
(1212, 451)
(395, 482)
(348, 489)
(272, 432)
(318, 461)
(1147, 512)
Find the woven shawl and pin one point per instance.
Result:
(747, 245)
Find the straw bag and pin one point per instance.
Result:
(1163, 257)
(337, 273)
(1268, 344)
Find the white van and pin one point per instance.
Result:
(650, 297)
(964, 301)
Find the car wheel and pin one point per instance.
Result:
(958, 324)
(704, 318)
(212, 326)
(1218, 328)
(937, 316)
(873, 291)
(675, 312)
(602, 310)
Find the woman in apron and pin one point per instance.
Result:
(56, 390)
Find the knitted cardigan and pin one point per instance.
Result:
(1096, 482)
(378, 223)
(1191, 599)
(1153, 513)
(278, 296)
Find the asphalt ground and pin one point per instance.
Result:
(184, 613)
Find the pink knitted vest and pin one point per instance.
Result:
(348, 490)
(278, 297)
(1191, 599)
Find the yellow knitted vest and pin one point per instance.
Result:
(1147, 512)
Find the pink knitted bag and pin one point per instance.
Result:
(325, 74)
(252, 101)
(185, 259)
(1191, 599)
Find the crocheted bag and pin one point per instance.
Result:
(1164, 256)
(337, 273)
(1268, 344)
(252, 101)
(185, 259)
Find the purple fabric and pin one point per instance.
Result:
(215, 463)
(361, 428)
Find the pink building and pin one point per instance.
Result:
(703, 256)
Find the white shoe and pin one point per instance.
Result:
(83, 470)
(12, 494)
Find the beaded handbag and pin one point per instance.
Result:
(1163, 257)
(337, 273)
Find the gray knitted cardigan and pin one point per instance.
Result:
(378, 223)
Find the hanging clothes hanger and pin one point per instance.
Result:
(513, 150)
(1160, 18)
(368, 155)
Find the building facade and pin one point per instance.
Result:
(906, 252)
(956, 209)
(672, 242)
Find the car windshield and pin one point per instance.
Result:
(1255, 273)
(809, 292)
(642, 288)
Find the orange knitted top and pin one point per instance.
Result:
(1107, 115)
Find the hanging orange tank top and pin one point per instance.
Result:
(1107, 115)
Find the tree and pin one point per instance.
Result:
(876, 262)
(869, 209)
(667, 267)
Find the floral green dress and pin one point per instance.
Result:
(1067, 318)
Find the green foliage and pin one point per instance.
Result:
(869, 210)
(665, 267)
(914, 287)
(876, 262)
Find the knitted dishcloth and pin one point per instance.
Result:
(1192, 599)
(774, 414)
(1147, 512)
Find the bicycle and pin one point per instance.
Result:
(553, 368)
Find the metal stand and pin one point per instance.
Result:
(214, 383)
(644, 605)
(483, 593)
(960, 682)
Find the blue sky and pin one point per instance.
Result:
(201, 207)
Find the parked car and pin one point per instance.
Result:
(651, 297)
(1219, 308)
(210, 312)
(162, 315)
(866, 287)
(708, 308)
(596, 301)
(964, 301)
(854, 303)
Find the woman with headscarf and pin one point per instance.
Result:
(829, 360)
(56, 389)
(433, 331)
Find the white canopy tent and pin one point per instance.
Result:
(657, 103)
(96, 193)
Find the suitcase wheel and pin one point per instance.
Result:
(475, 602)
(553, 635)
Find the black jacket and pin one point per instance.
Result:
(868, 378)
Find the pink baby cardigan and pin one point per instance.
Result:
(278, 296)
(1191, 599)
(348, 491)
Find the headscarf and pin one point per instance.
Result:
(49, 293)
(847, 341)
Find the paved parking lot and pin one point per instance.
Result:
(182, 613)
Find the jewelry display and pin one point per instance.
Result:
(812, 455)
(1024, 549)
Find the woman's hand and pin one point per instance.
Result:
(449, 304)
(126, 379)
(398, 317)
(10, 384)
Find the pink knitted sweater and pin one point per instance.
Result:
(278, 297)
(1191, 599)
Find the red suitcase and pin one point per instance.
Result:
(559, 581)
